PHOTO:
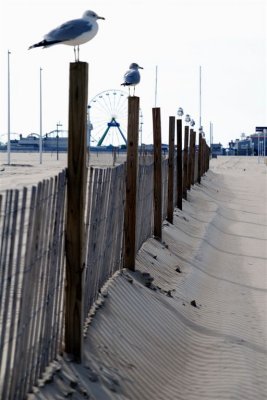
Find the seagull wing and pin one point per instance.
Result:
(132, 77)
(69, 30)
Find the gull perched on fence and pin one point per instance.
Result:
(73, 32)
(132, 76)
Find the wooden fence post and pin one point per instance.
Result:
(190, 160)
(157, 173)
(170, 169)
(185, 159)
(203, 149)
(199, 158)
(131, 178)
(193, 157)
(75, 229)
(179, 165)
(208, 157)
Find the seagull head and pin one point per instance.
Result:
(91, 15)
(135, 66)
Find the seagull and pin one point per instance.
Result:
(132, 76)
(73, 32)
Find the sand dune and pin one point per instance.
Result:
(199, 330)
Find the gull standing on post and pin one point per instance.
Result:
(132, 76)
(73, 32)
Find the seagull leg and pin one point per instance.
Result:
(74, 48)
(78, 53)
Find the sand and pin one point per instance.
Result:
(25, 169)
(199, 330)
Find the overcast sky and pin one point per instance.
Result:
(226, 37)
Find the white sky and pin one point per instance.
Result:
(226, 37)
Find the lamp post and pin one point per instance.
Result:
(41, 121)
(200, 99)
(58, 124)
(8, 107)
(179, 168)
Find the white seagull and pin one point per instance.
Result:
(73, 32)
(132, 76)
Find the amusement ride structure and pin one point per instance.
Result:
(107, 118)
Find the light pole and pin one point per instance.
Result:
(58, 124)
(211, 136)
(156, 86)
(200, 99)
(8, 107)
(179, 168)
(41, 121)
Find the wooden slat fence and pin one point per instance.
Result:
(164, 171)
(144, 213)
(31, 283)
(104, 223)
(32, 261)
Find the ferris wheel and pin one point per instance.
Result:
(107, 118)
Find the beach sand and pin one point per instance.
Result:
(25, 169)
(199, 331)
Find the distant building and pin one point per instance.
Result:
(241, 147)
(217, 150)
(32, 143)
(258, 142)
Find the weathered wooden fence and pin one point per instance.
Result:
(31, 283)
(104, 222)
(38, 243)
(32, 262)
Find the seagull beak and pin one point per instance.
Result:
(140, 67)
(100, 18)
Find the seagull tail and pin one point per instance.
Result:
(44, 43)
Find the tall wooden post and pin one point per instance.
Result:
(193, 157)
(75, 229)
(170, 169)
(185, 159)
(190, 161)
(131, 182)
(208, 157)
(199, 158)
(157, 173)
(179, 165)
(204, 156)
